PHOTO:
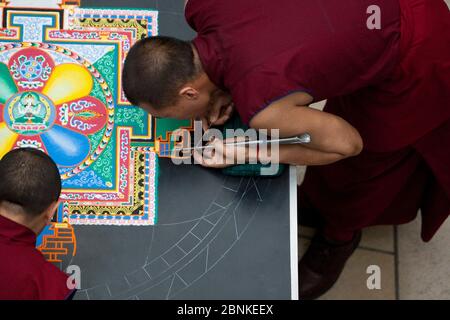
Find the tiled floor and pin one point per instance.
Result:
(377, 248)
(424, 268)
(410, 269)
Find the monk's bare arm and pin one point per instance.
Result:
(333, 138)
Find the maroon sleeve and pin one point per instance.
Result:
(260, 88)
(52, 283)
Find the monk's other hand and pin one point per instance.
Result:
(222, 154)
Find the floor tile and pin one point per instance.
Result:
(378, 238)
(302, 246)
(306, 232)
(300, 174)
(424, 268)
(353, 282)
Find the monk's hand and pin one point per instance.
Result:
(221, 154)
(220, 111)
(223, 115)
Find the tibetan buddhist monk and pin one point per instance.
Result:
(30, 186)
(380, 148)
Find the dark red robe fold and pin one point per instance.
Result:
(383, 188)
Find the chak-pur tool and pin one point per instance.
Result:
(302, 139)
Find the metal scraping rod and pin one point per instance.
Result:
(301, 139)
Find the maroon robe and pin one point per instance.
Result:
(24, 273)
(392, 84)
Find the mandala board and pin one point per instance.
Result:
(60, 92)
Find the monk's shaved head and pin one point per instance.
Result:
(29, 180)
(156, 68)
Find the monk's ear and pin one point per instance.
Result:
(50, 212)
(189, 93)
